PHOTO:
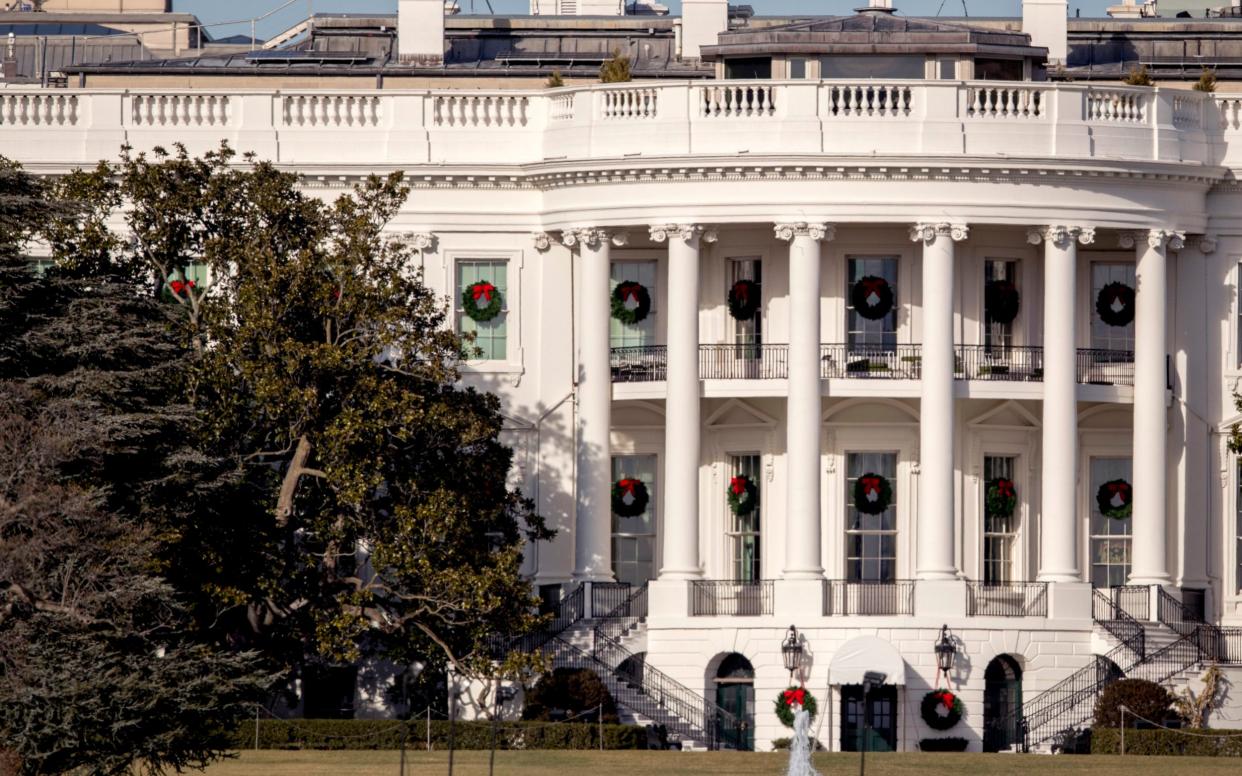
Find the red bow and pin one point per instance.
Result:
(630, 291)
(627, 485)
(1004, 488)
(738, 485)
(947, 698)
(795, 697)
(873, 285)
(178, 286)
(483, 289)
(1120, 489)
(741, 290)
(871, 485)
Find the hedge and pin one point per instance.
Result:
(388, 734)
(1168, 742)
(949, 744)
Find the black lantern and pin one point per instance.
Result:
(791, 651)
(945, 650)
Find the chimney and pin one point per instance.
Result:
(420, 31)
(1047, 22)
(701, 22)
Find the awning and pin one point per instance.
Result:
(866, 653)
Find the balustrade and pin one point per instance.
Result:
(1005, 102)
(39, 109)
(735, 99)
(179, 110)
(331, 110)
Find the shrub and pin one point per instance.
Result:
(1207, 81)
(555, 81)
(1141, 697)
(355, 734)
(1197, 743)
(569, 692)
(950, 744)
(1139, 76)
(615, 70)
(783, 744)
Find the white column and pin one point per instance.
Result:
(1149, 553)
(682, 422)
(593, 513)
(936, 512)
(803, 409)
(1058, 557)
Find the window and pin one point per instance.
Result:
(948, 69)
(39, 267)
(911, 66)
(870, 540)
(197, 274)
(756, 67)
(1103, 336)
(999, 533)
(748, 332)
(642, 333)
(865, 334)
(491, 337)
(1110, 538)
(744, 529)
(998, 69)
(997, 335)
(798, 67)
(634, 538)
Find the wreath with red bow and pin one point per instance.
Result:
(629, 497)
(1115, 304)
(873, 494)
(743, 495)
(1002, 301)
(631, 302)
(481, 301)
(794, 696)
(1115, 499)
(1002, 497)
(942, 709)
(744, 300)
(872, 297)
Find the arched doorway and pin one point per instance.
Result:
(735, 693)
(1002, 704)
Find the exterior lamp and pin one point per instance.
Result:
(945, 651)
(791, 652)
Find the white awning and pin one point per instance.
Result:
(866, 653)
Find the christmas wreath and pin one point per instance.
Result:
(743, 495)
(744, 300)
(872, 494)
(629, 497)
(942, 709)
(872, 297)
(794, 696)
(1002, 498)
(1002, 300)
(630, 302)
(1115, 499)
(481, 301)
(1115, 304)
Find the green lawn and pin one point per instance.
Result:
(276, 763)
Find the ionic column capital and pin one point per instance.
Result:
(1207, 244)
(542, 241)
(1159, 239)
(1061, 236)
(789, 230)
(688, 233)
(593, 237)
(927, 233)
(420, 241)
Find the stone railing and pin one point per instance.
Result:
(910, 119)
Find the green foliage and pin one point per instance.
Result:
(386, 734)
(615, 69)
(783, 744)
(1197, 743)
(572, 692)
(555, 81)
(1207, 81)
(1139, 76)
(1141, 697)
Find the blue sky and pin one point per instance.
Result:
(216, 11)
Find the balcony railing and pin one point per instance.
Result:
(868, 598)
(1007, 599)
(1133, 600)
(1005, 364)
(743, 362)
(731, 599)
(607, 597)
(862, 362)
(1105, 367)
(644, 364)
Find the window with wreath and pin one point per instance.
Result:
(1110, 536)
(871, 535)
(186, 280)
(492, 335)
(744, 521)
(875, 329)
(640, 333)
(634, 538)
(1000, 519)
(746, 280)
(1106, 335)
(1000, 303)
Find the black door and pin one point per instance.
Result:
(735, 694)
(1002, 704)
(881, 711)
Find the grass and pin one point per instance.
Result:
(369, 763)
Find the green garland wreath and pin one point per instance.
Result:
(625, 292)
(1002, 300)
(869, 485)
(744, 300)
(785, 700)
(1111, 294)
(1115, 490)
(1002, 497)
(481, 301)
(862, 292)
(743, 495)
(638, 495)
(936, 700)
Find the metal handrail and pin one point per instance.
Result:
(639, 364)
(1108, 614)
(1097, 366)
(1172, 613)
(898, 362)
(1006, 599)
(709, 598)
(608, 596)
(1013, 363)
(743, 362)
(845, 597)
(569, 611)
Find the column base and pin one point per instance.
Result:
(1070, 601)
(668, 598)
(940, 598)
(799, 600)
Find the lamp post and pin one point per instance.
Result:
(945, 651)
(791, 652)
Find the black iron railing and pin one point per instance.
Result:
(743, 362)
(1188, 624)
(1128, 631)
(1008, 364)
(1007, 599)
(1231, 641)
(570, 610)
(607, 596)
(842, 597)
(1105, 367)
(1134, 600)
(856, 362)
(731, 599)
(645, 364)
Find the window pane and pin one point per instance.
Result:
(864, 333)
(871, 540)
(797, 67)
(872, 66)
(624, 335)
(491, 337)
